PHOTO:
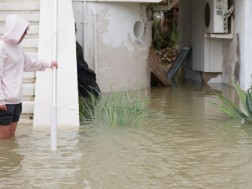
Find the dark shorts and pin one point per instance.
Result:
(12, 114)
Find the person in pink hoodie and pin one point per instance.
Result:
(13, 62)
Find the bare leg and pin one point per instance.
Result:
(5, 131)
(13, 128)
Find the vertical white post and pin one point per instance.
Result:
(95, 40)
(84, 28)
(54, 81)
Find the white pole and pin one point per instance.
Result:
(95, 40)
(54, 82)
(84, 29)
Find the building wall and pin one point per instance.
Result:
(67, 85)
(117, 37)
(120, 60)
(233, 55)
(242, 43)
(185, 27)
(231, 48)
(190, 34)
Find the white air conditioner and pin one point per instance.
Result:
(215, 16)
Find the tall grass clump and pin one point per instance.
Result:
(124, 108)
(234, 111)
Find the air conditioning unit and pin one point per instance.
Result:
(216, 16)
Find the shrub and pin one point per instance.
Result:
(123, 108)
(232, 110)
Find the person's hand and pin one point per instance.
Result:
(3, 107)
(54, 64)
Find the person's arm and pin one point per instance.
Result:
(37, 65)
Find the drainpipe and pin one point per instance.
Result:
(95, 40)
(54, 78)
(84, 28)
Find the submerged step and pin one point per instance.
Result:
(28, 92)
(26, 119)
(28, 107)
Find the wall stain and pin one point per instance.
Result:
(237, 65)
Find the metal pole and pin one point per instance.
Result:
(54, 81)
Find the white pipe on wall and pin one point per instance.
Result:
(82, 26)
(54, 82)
(84, 29)
(95, 40)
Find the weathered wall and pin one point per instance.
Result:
(241, 46)
(231, 50)
(115, 48)
(235, 54)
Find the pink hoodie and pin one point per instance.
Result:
(14, 61)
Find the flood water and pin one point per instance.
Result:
(193, 146)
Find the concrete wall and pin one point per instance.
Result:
(121, 60)
(233, 55)
(67, 86)
(231, 48)
(189, 35)
(238, 52)
(185, 26)
(117, 37)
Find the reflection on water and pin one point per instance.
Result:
(194, 146)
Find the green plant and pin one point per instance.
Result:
(174, 33)
(123, 108)
(165, 29)
(159, 39)
(232, 110)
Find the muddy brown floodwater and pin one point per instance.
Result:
(194, 146)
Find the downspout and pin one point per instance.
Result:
(84, 28)
(95, 40)
(54, 80)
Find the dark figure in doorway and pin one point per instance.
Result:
(87, 85)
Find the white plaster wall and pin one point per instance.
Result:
(237, 52)
(122, 60)
(231, 60)
(231, 53)
(67, 91)
(79, 17)
(243, 26)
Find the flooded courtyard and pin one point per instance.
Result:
(193, 146)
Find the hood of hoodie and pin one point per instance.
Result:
(15, 27)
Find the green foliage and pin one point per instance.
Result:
(174, 33)
(232, 110)
(165, 29)
(115, 108)
(159, 39)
